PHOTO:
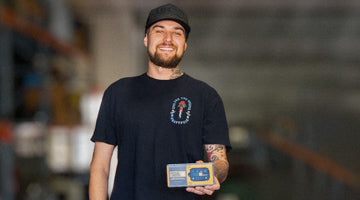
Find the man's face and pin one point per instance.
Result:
(166, 43)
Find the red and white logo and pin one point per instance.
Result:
(180, 110)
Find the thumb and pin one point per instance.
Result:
(199, 161)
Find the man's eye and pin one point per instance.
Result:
(159, 31)
(177, 33)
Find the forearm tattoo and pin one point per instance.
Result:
(216, 153)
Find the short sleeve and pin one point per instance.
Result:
(105, 128)
(215, 128)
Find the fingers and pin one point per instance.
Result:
(209, 189)
(214, 187)
(200, 190)
(194, 190)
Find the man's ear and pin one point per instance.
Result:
(146, 40)
(185, 46)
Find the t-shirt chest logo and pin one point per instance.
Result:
(180, 110)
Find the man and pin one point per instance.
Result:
(160, 117)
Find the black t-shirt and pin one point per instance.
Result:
(155, 123)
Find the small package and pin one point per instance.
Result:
(190, 174)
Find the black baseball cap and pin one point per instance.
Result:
(168, 12)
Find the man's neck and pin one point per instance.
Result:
(162, 73)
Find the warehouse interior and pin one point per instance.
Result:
(288, 73)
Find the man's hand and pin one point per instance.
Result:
(209, 189)
(202, 190)
(216, 154)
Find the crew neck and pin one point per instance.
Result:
(161, 80)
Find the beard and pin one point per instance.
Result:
(169, 63)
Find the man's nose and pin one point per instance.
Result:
(168, 36)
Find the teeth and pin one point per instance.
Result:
(167, 49)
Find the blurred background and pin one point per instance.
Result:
(288, 72)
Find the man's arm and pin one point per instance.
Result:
(99, 171)
(216, 153)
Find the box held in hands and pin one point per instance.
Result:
(190, 174)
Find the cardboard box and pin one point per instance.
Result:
(190, 174)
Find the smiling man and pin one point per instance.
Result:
(161, 117)
(166, 53)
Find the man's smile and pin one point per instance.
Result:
(166, 48)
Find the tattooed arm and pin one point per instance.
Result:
(216, 153)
